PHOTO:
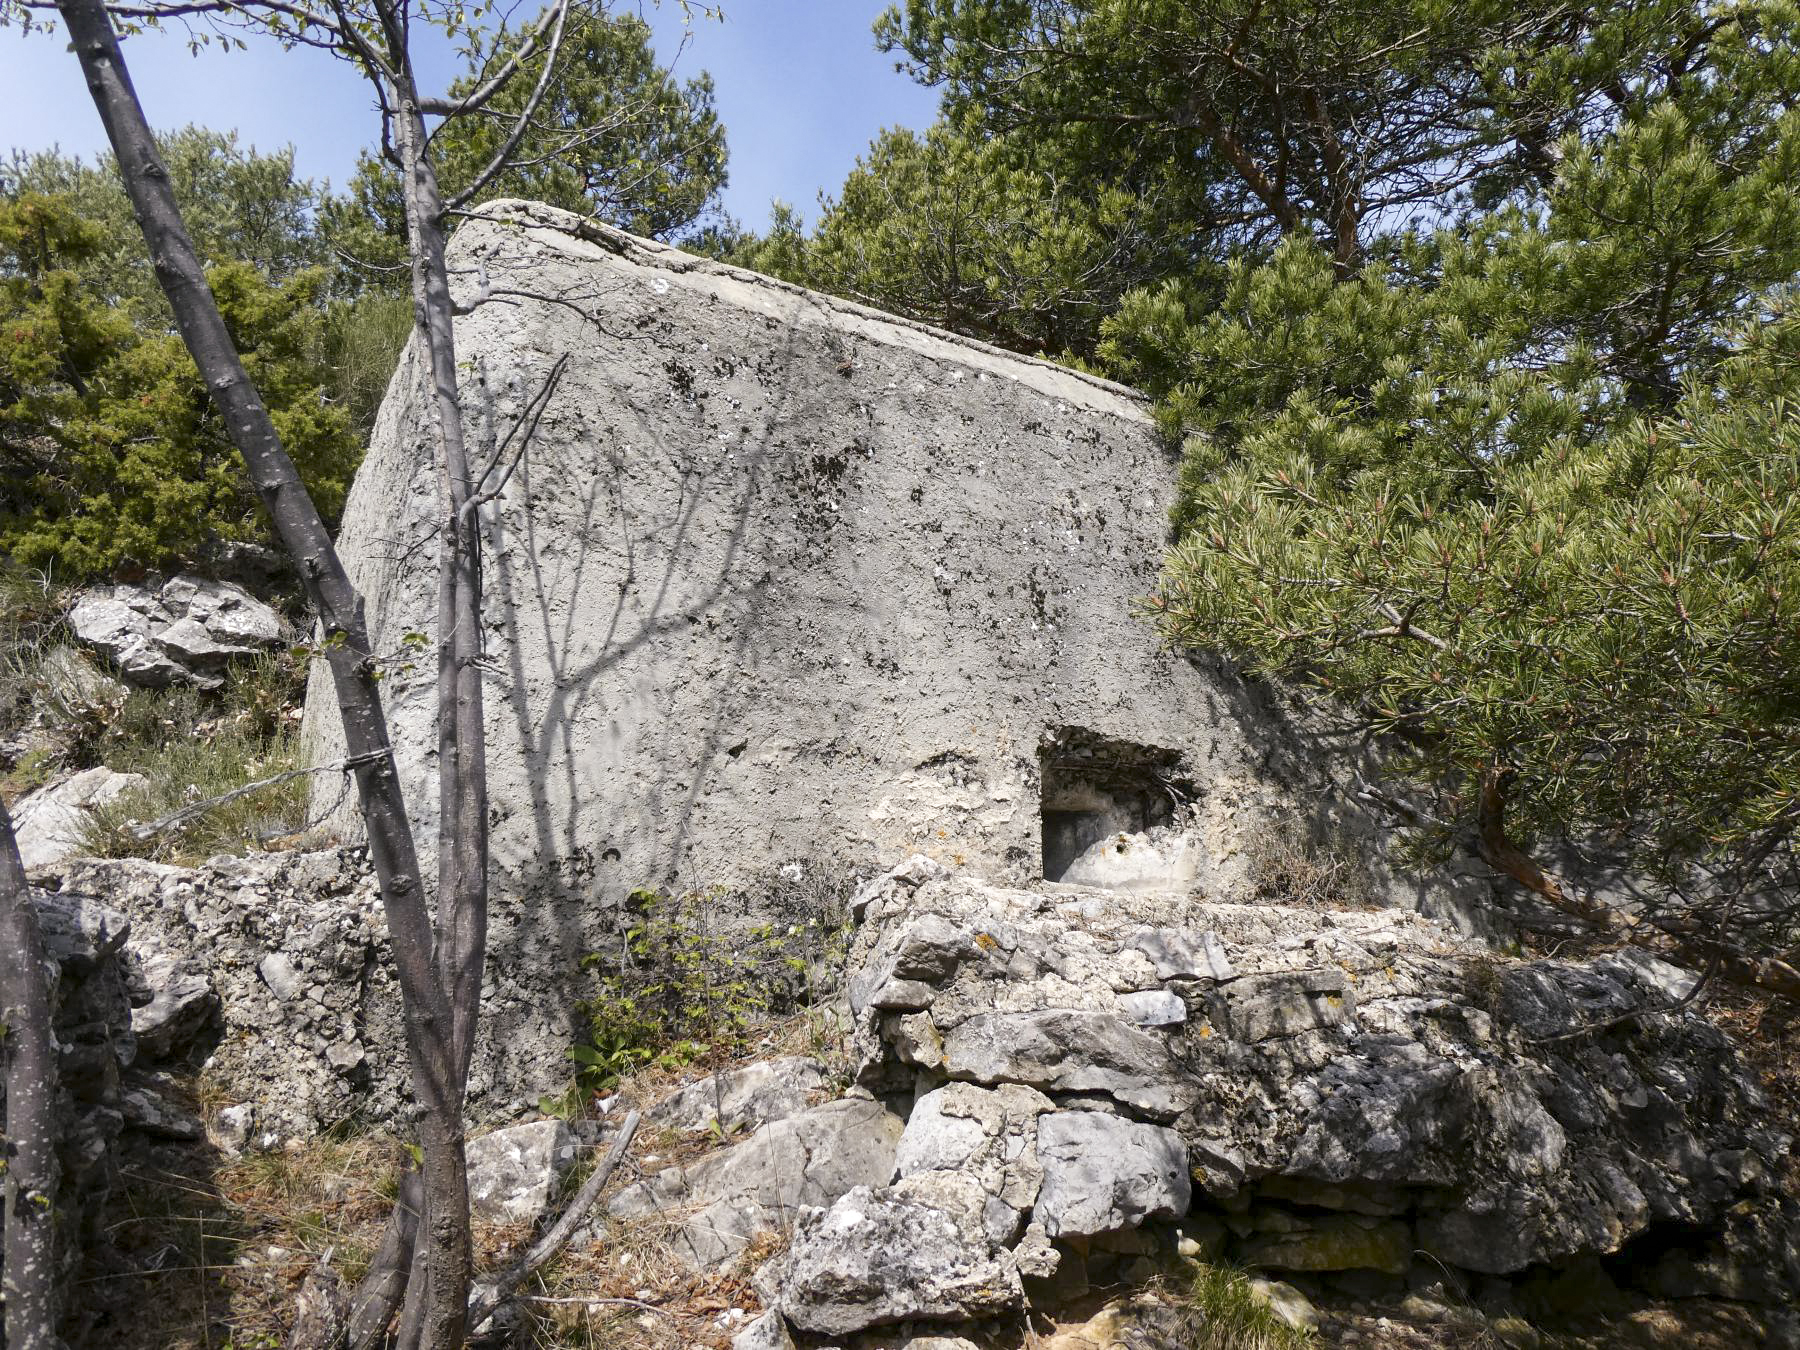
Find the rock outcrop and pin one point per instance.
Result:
(793, 1163)
(180, 631)
(1052, 1085)
(1097, 1078)
(273, 968)
(91, 1022)
(51, 822)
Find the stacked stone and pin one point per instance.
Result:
(1105, 1082)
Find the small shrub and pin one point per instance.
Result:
(31, 605)
(683, 985)
(1286, 869)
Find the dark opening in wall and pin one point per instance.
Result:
(1094, 788)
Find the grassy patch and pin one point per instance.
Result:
(1235, 1317)
(192, 746)
(209, 1252)
(60, 712)
(1286, 869)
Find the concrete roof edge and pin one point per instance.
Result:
(653, 253)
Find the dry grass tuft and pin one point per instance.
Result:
(209, 1252)
(1286, 869)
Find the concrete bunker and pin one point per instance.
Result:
(1115, 813)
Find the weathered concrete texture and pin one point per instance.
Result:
(782, 575)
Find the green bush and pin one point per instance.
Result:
(363, 341)
(684, 985)
(1233, 1316)
(111, 451)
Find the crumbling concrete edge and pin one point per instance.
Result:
(545, 222)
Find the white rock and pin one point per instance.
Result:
(875, 1257)
(1286, 1302)
(767, 1332)
(232, 1128)
(1103, 1173)
(513, 1172)
(49, 822)
(182, 632)
(805, 1160)
(279, 973)
(754, 1095)
(1143, 861)
(1154, 1008)
(181, 1003)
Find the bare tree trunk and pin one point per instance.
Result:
(437, 1291)
(29, 1278)
(462, 869)
(430, 1027)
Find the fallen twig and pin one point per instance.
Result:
(490, 1295)
(194, 810)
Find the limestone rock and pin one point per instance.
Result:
(873, 1258)
(513, 1173)
(767, 1332)
(50, 821)
(753, 1095)
(147, 1110)
(231, 1129)
(320, 915)
(1403, 1088)
(90, 1014)
(1286, 1302)
(1140, 860)
(182, 630)
(1103, 1173)
(1334, 1242)
(987, 1137)
(804, 1160)
(179, 1004)
(1141, 1321)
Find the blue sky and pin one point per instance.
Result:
(800, 87)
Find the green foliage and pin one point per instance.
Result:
(1012, 239)
(110, 449)
(683, 987)
(616, 136)
(363, 341)
(974, 236)
(1337, 120)
(239, 207)
(1234, 1317)
(1522, 490)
